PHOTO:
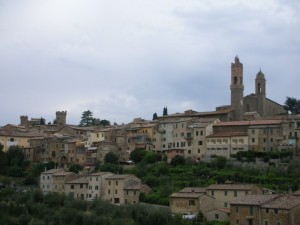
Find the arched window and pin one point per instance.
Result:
(259, 88)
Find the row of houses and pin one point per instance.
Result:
(241, 204)
(115, 188)
(189, 134)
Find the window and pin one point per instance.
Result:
(108, 191)
(253, 140)
(96, 187)
(225, 204)
(236, 209)
(134, 193)
(266, 222)
(212, 193)
(72, 186)
(116, 191)
(251, 210)
(189, 151)
(276, 211)
(278, 222)
(109, 182)
(116, 182)
(197, 133)
(191, 202)
(225, 193)
(201, 132)
(235, 193)
(199, 142)
(216, 216)
(267, 210)
(81, 186)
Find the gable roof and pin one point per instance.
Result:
(283, 202)
(231, 187)
(253, 199)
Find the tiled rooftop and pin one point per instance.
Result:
(284, 202)
(230, 187)
(253, 199)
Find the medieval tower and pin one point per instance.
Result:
(237, 88)
(61, 118)
(260, 92)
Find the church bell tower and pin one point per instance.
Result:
(237, 88)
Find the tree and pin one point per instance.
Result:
(165, 112)
(155, 116)
(75, 168)
(111, 158)
(87, 119)
(104, 122)
(177, 160)
(292, 105)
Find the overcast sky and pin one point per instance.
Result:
(131, 58)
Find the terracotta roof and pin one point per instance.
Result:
(230, 187)
(63, 173)
(193, 190)
(101, 174)
(80, 180)
(283, 202)
(186, 195)
(228, 134)
(249, 123)
(118, 176)
(253, 199)
(225, 210)
(52, 171)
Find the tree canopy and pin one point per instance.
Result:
(87, 119)
(155, 116)
(292, 105)
(165, 111)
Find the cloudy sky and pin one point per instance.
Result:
(124, 59)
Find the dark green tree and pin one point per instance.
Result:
(177, 160)
(111, 158)
(155, 116)
(104, 123)
(292, 105)
(75, 168)
(137, 155)
(165, 111)
(87, 119)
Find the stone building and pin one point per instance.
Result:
(255, 102)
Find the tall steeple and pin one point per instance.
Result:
(260, 92)
(237, 88)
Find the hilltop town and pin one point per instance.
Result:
(251, 123)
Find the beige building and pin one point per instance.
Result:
(226, 193)
(266, 210)
(96, 184)
(218, 215)
(15, 139)
(284, 210)
(46, 180)
(77, 188)
(246, 210)
(226, 144)
(60, 179)
(190, 201)
(116, 191)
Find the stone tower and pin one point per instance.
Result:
(260, 92)
(237, 88)
(24, 121)
(61, 118)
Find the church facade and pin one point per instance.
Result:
(253, 104)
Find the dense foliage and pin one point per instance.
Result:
(292, 105)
